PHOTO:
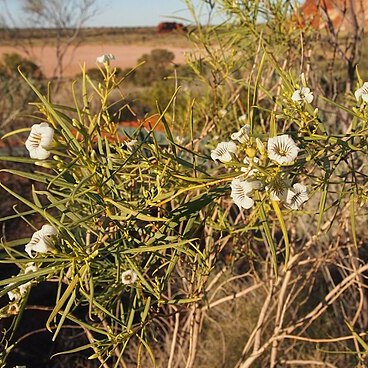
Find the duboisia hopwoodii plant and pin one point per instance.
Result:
(105, 240)
(132, 230)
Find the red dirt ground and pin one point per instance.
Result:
(126, 56)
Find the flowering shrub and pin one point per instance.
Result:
(107, 235)
(146, 242)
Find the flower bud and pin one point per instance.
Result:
(46, 164)
(261, 147)
(251, 152)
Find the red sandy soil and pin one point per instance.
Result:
(126, 56)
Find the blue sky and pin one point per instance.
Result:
(139, 12)
(125, 13)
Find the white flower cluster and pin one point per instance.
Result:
(17, 293)
(304, 94)
(268, 170)
(42, 242)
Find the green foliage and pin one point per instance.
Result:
(104, 199)
(154, 244)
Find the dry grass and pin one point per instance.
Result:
(137, 36)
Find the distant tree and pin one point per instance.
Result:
(15, 96)
(348, 45)
(158, 64)
(11, 62)
(345, 22)
(159, 57)
(65, 19)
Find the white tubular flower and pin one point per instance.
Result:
(242, 135)
(41, 241)
(38, 140)
(17, 293)
(362, 93)
(105, 59)
(129, 277)
(223, 151)
(282, 149)
(240, 190)
(13, 294)
(302, 94)
(31, 267)
(296, 196)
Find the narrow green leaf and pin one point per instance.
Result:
(141, 277)
(149, 351)
(130, 212)
(64, 313)
(39, 177)
(280, 218)
(75, 350)
(15, 132)
(270, 242)
(156, 248)
(322, 206)
(146, 309)
(87, 326)
(22, 160)
(132, 314)
(66, 295)
(360, 340)
(352, 219)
